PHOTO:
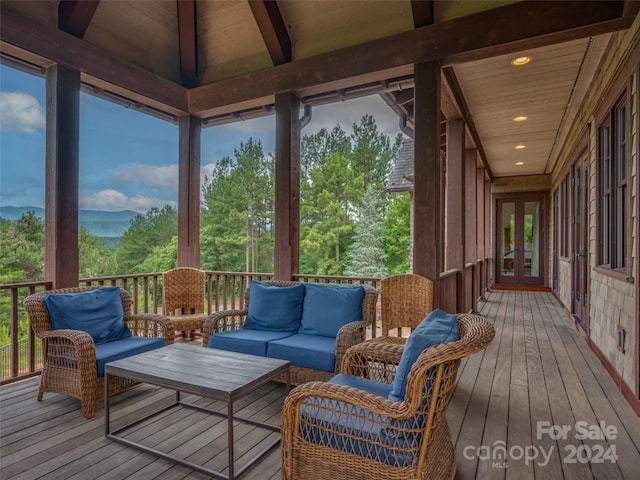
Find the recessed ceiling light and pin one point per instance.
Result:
(520, 119)
(519, 163)
(520, 61)
(520, 147)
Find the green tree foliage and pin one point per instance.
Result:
(146, 232)
(96, 260)
(237, 212)
(397, 236)
(22, 246)
(367, 253)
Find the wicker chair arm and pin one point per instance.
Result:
(222, 321)
(349, 335)
(374, 360)
(317, 393)
(151, 325)
(72, 348)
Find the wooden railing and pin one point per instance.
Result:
(22, 357)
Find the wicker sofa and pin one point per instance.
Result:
(314, 350)
(74, 363)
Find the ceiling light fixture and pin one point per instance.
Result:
(520, 61)
(519, 163)
(520, 119)
(520, 147)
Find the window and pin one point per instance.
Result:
(612, 185)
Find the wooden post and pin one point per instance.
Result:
(189, 192)
(286, 254)
(426, 184)
(472, 221)
(454, 203)
(488, 253)
(61, 264)
(482, 228)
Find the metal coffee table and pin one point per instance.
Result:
(217, 374)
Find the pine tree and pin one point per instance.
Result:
(367, 252)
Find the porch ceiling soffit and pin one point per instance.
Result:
(459, 40)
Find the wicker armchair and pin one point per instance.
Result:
(183, 294)
(404, 302)
(70, 355)
(333, 431)
(349, 335)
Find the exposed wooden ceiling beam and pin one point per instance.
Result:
(456, 90)
(74, 16)
(273, 30)
(66, 49)
(422, 12)
(507, 29)
(188, 41)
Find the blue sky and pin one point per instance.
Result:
(128, 159)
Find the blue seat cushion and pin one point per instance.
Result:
(439, 327)
(244, 340)
(351, 429)
(126, 347)
(327, 308)
(308, 351)
(275, 309)
(97, 312)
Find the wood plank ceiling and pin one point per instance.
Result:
(196, 43)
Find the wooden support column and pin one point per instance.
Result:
(286, 261)
(189, 192)
(454, 203)
(426, 183)
(482, 230)
(488, 253)
(61, 262)
(471, 220)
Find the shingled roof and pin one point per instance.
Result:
(401, 178)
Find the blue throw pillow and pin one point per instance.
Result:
(275, 309)
(327, 308)
(97, 312)
(439, 327)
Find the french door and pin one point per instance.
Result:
(580, 242)
(520, 242)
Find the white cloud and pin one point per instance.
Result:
(159, 177)
(20, 112)
(113, 200)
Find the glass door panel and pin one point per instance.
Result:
(508, 239)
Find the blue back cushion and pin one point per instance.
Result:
(275, 309)
(97, 312)
(437, 327)
(327, 308)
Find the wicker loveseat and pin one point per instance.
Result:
(315, 352)
(74, 363)
(350, 429)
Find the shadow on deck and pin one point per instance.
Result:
(538, 374)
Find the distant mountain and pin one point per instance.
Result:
(97, 222)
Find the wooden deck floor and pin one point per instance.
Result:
(537, 373)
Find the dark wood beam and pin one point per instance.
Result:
(507, 29)
(61, 260)
(189, 191)
(456, 90)
(74, 16)
(65, 49)
(273, 30)
(427, 200)
(286, 253)
(187, 38)
(422, 12)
